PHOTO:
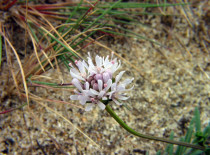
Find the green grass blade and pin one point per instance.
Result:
(71, 15)
(189, 133)
(62, 44)
(102, 15)
(169, 148)
(197, 120)
(196, 152)
(93, 23)
(188, 136)
(23, 1)
(78, 22)
(44, 83)
(33, 33)
(124, 5)
(164, 8)
(81, 41)
(64, 60)
(55, 85)
(207, 130)
(158, 153)
(180, 148)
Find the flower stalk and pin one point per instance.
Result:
(96, 85)
(126, 127)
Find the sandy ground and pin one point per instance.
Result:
(170, 82)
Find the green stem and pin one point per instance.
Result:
(126, 127)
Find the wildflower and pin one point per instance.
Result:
(95, 82)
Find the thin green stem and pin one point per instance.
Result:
(126, 127)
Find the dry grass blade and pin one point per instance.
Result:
(26, 17)
(161, 11)
(77, 35)
(60, 37)
(45, 130)
(40, 77)
(55, 112)
(20, 65)
(48, 59)
(38, 99)
(11, 69)
(186, 16)
(35, 50)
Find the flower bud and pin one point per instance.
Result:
(92, 82)
(95, 86)
(90, 79)
(106, 77)
(98, 77)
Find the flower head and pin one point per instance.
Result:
(95, 82)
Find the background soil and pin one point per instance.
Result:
(170, 82)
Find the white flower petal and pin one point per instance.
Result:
(110, 94)
(85, 64)
(81, 67)
(120, 88)
(127, 81)
(100, 85)
(94, 92)
(119, 76)
(98, 61)
(75, 74)
(117, 102)
(90, 62)
(104, 98)
(87, 85)
(74, 70)
(77, 84)
(130, 88)
(109, 83)
(115, 67)
(74, 97)
(106, 61)
(101, 105)
(114, 87)
(122, 97)
(101, 93)
(82, 99)
(89, 106)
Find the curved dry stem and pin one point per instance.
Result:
(20, 65)
(69, 123)
(35, 50)
(11, 69)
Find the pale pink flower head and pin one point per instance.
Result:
(96, 84)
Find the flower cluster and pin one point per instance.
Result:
(95, 82)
